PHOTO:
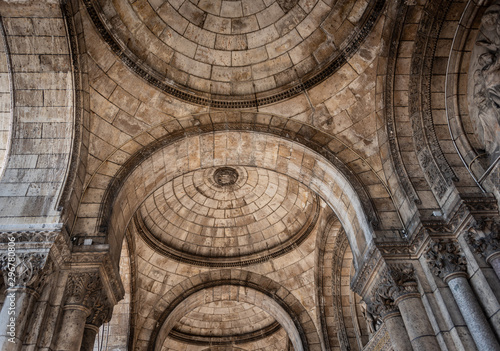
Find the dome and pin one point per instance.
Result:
(227, 216)
(235, 53)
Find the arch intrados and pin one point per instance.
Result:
(324, 179)
(236, 279)
(258, 298)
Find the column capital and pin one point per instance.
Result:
(26, 270)
(83, 289)
(100, 313)
(445, 259)
(404, 281)
(483, 238)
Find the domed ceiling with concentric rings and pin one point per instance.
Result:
(234, 53)
(227, 216)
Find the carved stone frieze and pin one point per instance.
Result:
(445, 259)
(405, 248)
(488, 244)
(83, 289)
(437, 171)
(29, 236)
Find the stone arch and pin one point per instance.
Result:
(271, 296)
(300, 163)
(43, 125)
(337, 317)
(405, 194)
(6, 94)
(318, 146)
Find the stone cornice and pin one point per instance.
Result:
(253, 336)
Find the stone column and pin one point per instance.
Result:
(101, 313)
(487, 246)
(389, 313)
(82, 292)
(447, 262)
(402, 287)
(24, 274)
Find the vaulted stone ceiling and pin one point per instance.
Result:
(236, 53)
(240, 207)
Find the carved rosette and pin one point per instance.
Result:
(83, 289)
(487, 246)
(30, 269)
(445, 259)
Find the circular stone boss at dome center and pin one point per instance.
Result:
(234, 53)
(227, 216)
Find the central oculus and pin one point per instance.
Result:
(226, 176)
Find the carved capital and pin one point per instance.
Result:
(25, 269)
(445, 259)
(83, 289)
(487, 245)
(404, 282)
(100, 313)
(382, 304)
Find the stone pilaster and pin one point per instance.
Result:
(448, 263)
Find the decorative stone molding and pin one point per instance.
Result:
(91, 259)
(83, 289)
(29, 236)
(487, 245)
(382, 305)
(366, 273)
(446, 259)
(402, 249)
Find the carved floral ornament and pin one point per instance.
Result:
(83, 289)
(484, 237)
(396, 283)
(446, 259)
(100, 313)
(25, 270)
